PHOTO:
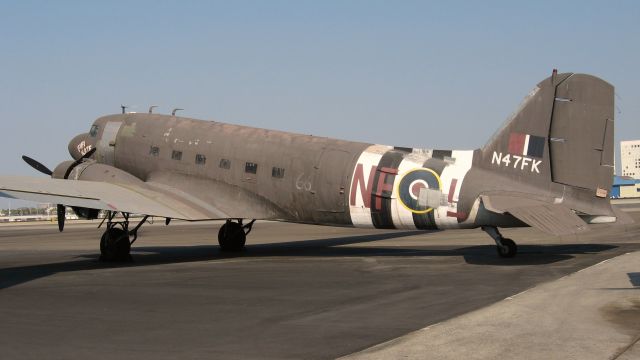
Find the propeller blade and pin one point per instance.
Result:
(77, 162)
(36, 165)
(89, 153)
(61, 216)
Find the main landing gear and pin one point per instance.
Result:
(233, 235)
(507, 248)
(116, 241)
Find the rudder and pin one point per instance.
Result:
(581, 133)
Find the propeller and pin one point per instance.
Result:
(61, 216)
(60, 208)
(36, 165)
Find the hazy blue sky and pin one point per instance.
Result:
(439, 74)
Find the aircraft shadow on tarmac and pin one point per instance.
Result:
(331, 247)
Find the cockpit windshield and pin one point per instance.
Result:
(94, 131)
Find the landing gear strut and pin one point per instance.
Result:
(233, 235)
(116, 241)
(507, 248)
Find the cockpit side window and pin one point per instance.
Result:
(94, 131)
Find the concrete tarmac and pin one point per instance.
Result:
(591, 314)
(297, 291)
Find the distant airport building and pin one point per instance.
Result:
(625, 187)
(630, 158)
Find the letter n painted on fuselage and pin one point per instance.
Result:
(363, 185)
(358, 183)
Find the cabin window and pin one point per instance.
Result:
(154, 151)
(200, 159)
(94, 131)
(277, 172)
(225, 164)
(176, 155)
(250, 168)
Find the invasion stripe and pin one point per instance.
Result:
(441, 154)
(427, 221)
(383, 189)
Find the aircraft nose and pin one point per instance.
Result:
(80, 145)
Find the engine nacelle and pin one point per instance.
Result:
(61, 169)
(89, 170)
(93, 171)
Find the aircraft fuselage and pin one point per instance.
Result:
(297, 178)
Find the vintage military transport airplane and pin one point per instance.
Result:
(550, 166)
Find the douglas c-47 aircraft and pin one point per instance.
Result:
(550, 167)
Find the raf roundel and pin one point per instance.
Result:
(410, 185)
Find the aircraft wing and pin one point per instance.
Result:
(554, 219)
(147, 199)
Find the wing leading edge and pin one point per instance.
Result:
(147, 200)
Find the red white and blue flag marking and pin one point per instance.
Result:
(526, 145)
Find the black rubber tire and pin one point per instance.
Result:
(115, 245)
(231, 237)
(511, 248)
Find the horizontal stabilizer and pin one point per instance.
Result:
(622, 218)
(552, 219)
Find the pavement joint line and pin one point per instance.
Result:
(626, 348)
(516, 295)
(594, 265)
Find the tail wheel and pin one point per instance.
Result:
(507, 248)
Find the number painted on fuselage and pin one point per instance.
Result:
(303, 183)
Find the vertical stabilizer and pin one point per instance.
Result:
(562, 133)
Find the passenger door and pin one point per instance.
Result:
(329, 184)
